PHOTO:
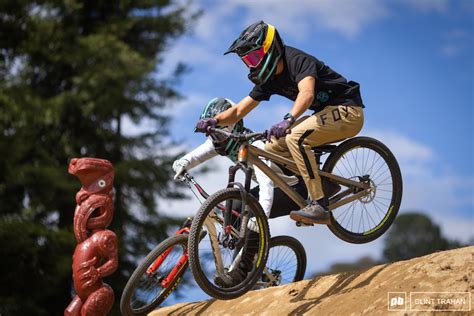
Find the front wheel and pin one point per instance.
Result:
(366, 160)
(215, 250)
(156, 277)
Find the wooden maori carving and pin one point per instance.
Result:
(96, 253)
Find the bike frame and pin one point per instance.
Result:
(252, 154)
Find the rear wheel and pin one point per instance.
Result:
(214, 249)
(366, 160)
(144, 291)
(286, 262)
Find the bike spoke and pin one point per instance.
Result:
(382, 174)
(369, 216)
(350, 173)
(149, 287)
(283, 259)
(380, 211)
(346, 211)
(362, 215)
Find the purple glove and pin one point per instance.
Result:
(203, 124)
(279, 130)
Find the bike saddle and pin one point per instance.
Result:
(324, 149)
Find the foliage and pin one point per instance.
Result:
(413, 235)
(71, 73)
(362, 263)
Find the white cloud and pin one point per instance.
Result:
(455, 42)
(191, 102)
(428, 5)
(404, 147)
(450, 50)
(429, 187)
(299, 18)
(296, 18)
(414, 156)
(456, 34)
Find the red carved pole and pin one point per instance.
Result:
(96, 253)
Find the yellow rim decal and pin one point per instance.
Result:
(269, 38)
(381, 224)
(262, 246)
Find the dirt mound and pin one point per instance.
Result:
(360, 292)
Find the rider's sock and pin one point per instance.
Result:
(323, 202)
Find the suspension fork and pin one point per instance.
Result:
(161, 258)
(228, 204)
(176, 269)
(244, 191)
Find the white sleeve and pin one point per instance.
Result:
(265, 196)
(200, 154)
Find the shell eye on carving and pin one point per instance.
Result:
(102, 183)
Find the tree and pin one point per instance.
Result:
(414, 235)
(70, 73)
(362, 263)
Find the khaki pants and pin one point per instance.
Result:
(331, 124)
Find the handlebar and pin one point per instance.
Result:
(238, 136)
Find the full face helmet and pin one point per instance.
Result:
(260, 48)
(222, 144)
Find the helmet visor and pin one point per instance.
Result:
(254, 58)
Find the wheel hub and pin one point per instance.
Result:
(369, 197)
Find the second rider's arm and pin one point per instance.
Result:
(203, 152)
(200, 154)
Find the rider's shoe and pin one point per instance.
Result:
(314, 212)
(230, 279)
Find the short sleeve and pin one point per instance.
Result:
(259, 94)
(302, 66)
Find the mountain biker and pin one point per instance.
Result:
(276, 68)
(273, 201)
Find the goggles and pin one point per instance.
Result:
(254, 58)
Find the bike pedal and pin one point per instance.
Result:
(301, 224)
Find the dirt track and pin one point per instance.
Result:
(356, 293)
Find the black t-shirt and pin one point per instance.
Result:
(331, 88)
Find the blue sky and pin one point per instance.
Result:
(414, 61)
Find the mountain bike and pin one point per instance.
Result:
(162, 269)
(360, 213)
